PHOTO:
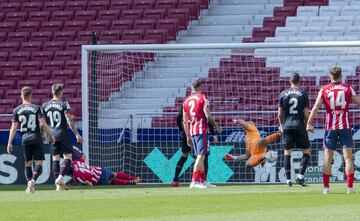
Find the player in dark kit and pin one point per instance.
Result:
(185, 148)
(59, 117)
(31, 119)
(293, 114)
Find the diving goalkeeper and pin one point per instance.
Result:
(256, 147)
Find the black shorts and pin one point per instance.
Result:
(61, 147)
(33, 151)
(296, 139)
(184, 146)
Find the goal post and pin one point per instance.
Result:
(139, 90)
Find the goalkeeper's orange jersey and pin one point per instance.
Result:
(253, 137)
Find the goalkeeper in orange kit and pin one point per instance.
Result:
(256, 147)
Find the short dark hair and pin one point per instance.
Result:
(335, 72)
(295, 78)
(57, 89)
(26, 92)
(196, 84)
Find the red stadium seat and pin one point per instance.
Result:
(3, 36)
(49, 83)
(39, 16)
(42, 93)
(148, 41)
(64, 35)
(132, 34)
(51, 26)
(121, 4)
(274, 22)
(98, 5)
(54, 6)
(316, 2)
(9, 46)
(143, 4)
(9, 66)
(171, 25)
(75, 45)
(85, 15)
(144, 24)
(53, 65)
(110, 35)
(18, 36)
(28, 26)
(293, 2)
(2, 16)
(132, 14)
(14, 75)
(7, 26)
(73, 65)
(31, 83)
(62, 74)
(12, 94)
(42, 55)
(41, 36)
(263, 32)
(73, 83)
(38, 75)
(183, 14)
(31, 46)
(85, 35)
(10, 7)
(154, 13)
(124, 24)
(159, 34)
(32, 6)
(5, 122)
(192, 5)
(123, 42)
(99, 25)
(166, 4)
(69, 93)
(75, 25)
(20, 56)
(109, 14)
(65, 55)
(3, 56)
(30, 65)
(74, 100)
(7, 84)
(62, 15)
(75, 5)
(16, 16)
(285, 11)
(54, 46)
(7, 103)
(204, 4)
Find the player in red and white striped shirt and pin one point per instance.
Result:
(196, 110)
(85, 174)
(336, 96)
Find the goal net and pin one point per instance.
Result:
(132, 95)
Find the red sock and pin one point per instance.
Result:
(202, 177)
(326, 180)
(120, 182)
(123, 176)
(350, 180)
(196, 176)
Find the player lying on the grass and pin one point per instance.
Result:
(185, 148)
(256, 147)
(337, 97)
(293, 114)
(196, 111)
(83, 173)
(31, 119)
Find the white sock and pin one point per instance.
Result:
(236, 157)
(300, 176)
(288, 181)
(60, 176)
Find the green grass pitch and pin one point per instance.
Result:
(238, 202)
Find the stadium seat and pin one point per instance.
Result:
(329, 11)
(31, 6)
(38, 75)
(99, 25)
(132, 14)
(319, 21)
(64, 35)
(159, 34)
(19, 56)
(3, 36)
(284, 11)
(62, 16)
(144, 24)
(72, 65)
(296, 21)
(263, 32)
(18, 36)
(84, 35)
(350, 10)
(333, 31)
(343, 21)
(98, 5)
(10, 7)
(54, 46)
(316, 2)
(309, 31)
(65, 55)
(143, 4)
(182, 14)
(51, 26)
(16, 16)
(12, 94)
(192, 5)
(273, 22)
(154, 13)
(14, 75)
(75, 25)
(44, 93)
(69, 93)
(62, 74)
(75, 45)
(73, 83)
(39, 16)
(6, 103)
(54, 6)
(7, 26)
(353, 31)
(9, 66)
(31, 46)
(6, 84)
(75, 5)
(34, 84)
(110, 35)
(121, 4)
(307, 11)
(53, 65)
(30, 65)
(41, 36)
(42, 55)
(28, 26)
(171, 25)
(109, 14)
(338, 2)
(4, 56)
(132, 34)
(85, 15)
(49, 83)
(166, 4)
(148, 41)
(125, 24)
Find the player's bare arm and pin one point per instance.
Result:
(306, 115)
(71, 123)
(187, 128)
(12, 134)
(356, 100)
(211, 119)
(281, 117)
(241, 123)
(313, 113)
(45, 127)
